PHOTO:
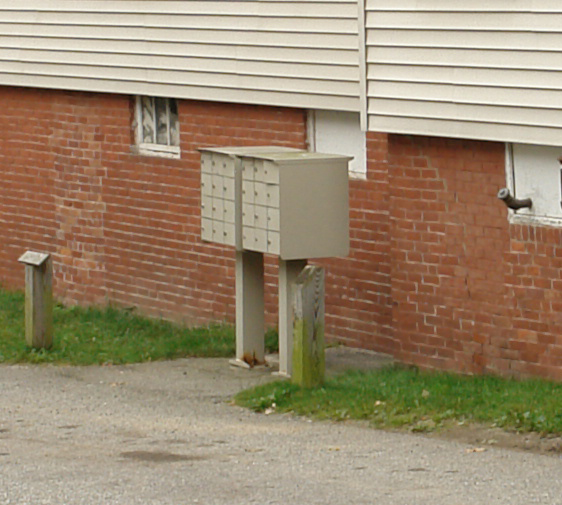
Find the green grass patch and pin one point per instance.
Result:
(397, 397)
(86, 336)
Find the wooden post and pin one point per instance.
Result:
(38, 299)
(288, 273)
(308, 333)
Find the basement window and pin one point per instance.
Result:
(336, 132)
(157, 127)
(536, 172)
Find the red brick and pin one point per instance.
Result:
(436, 274)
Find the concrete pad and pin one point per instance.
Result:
(340, 359)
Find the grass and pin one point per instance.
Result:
(397, 397)
(86, 336)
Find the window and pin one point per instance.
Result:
(536, 172)
(157, 127)
(335, 132)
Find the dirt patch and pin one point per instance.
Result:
(482, 436)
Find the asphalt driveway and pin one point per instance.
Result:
(165, 433)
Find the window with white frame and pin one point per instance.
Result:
(536, 172)
(157, 126)
(337, 132)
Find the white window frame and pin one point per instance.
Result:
(359, 161)
(153, 149)
(523, 216)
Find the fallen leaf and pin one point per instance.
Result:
(475, 449)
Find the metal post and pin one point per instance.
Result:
(250, 319)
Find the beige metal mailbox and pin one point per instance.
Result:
(282, 201)
(221, 187)
(295, 204)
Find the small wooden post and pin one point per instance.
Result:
(38, 299)
(308, 331)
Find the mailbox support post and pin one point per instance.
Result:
(38, 299)
(288, 273)
(250, 319)
(308, 344)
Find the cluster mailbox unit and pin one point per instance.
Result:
(281, 201)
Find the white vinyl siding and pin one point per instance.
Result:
(485, 69)
(288, 53)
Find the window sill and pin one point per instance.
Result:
(528, 219)
(158, 151)
(358, 176)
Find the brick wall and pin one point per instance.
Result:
(436, 275)
(125, 229)
(358, 303)
(470, 292)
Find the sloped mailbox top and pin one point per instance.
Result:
(296, 156)
(33, 258)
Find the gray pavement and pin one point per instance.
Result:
(165, 433)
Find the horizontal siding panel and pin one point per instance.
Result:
(449, 68)
(458, 111)
(475, 5)
(466, 20)
(169, 6)
(347, 58)
(216, 79)
(465, 130)
(87, 22)
(285, 8)
(474, 39)
(272, 48)
(136, 62)
(467, 58)
(501, 78)
(189, 92)
(186, 36)
(461, 94)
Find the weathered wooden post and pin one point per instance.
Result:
(288, 273)
(308, 331)
(38, 299)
